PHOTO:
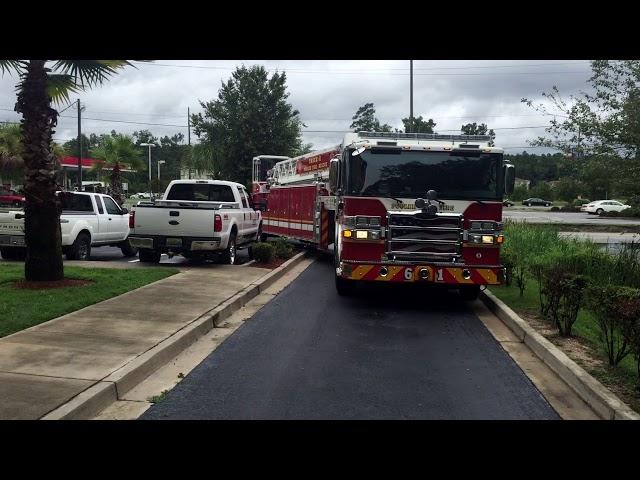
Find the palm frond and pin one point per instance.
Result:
(8, 65)
(60, 85)
(87, 73)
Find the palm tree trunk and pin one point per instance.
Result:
(42, 211)
(116, 184)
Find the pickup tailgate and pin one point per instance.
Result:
(173, 222)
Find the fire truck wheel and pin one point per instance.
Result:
(344, 287)
(469, 292)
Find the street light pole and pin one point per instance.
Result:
(160, 162)
(149, 145)
(411, 94)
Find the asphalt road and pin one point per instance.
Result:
(384, 354)
(542, 215)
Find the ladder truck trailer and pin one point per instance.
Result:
(394, 207)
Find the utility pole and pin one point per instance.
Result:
(189, 138)
(79, 148)
(411, 94)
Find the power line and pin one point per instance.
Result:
(371, 70)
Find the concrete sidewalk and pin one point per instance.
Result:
(43, 367)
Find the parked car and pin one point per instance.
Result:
(141, 196)
(87, 220)
(11, 198)
(537, 201)
(196, 218)
(600, 206)
(508, 203)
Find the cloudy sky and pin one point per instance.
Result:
(327, 93)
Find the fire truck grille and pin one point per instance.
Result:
(422, 237)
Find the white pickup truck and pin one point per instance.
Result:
(87, 220)
(197, 219)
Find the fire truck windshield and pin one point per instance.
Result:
(454, 175)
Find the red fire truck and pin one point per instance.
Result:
(394, 207)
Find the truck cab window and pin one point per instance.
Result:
(72, 202)
(99, 204)
(112, 208)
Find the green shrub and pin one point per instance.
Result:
(282, 249)
(561, 287)
(627, 212)
(607, 302)
(555, 209)
(628, 311)
(263, 252)
(522, 243)
(578, 202)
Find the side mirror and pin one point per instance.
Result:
(509, 178)
(124, 211)
(334, 167)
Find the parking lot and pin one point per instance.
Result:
(545, 215)
(113, 255)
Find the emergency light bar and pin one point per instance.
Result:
(424, 136)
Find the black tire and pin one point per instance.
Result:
(127, 249)
(250, 252)
(81, 248)
(259, 234)
(469, 293)
(149, 256)
(345, 288)
(229, 255)
(599, 211)
(13, 253)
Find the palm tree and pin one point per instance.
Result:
(117, 152)
(38, 87)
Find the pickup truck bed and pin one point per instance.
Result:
(195, 218)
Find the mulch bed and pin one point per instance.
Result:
(64, 283)
(275, 263)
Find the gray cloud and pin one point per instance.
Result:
(327, 93)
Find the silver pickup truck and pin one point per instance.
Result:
(196, 219)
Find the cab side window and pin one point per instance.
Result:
(110, 205)
(243, 197)
(99, 204)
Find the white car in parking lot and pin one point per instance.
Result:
(600, 206)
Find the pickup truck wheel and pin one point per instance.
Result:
(229, 255)
(81, 248)
(149, 256)
(13, 253)
(469, 293)
(127, 249)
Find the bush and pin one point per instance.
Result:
(263, 252)
(607, 302)
(522, 243)
(283, 249)
(578, 202)
(627, 308)
(555, 209)
(561, 287)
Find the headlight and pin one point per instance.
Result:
(487, 238)
(362, 234)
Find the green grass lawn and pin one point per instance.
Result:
(20, 309)
(585, 327)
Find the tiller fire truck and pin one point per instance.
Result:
(394, 207)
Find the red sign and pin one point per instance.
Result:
(315, 162)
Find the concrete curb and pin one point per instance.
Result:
(103, 393)
(603, 402)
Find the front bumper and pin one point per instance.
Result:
(429, 273)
